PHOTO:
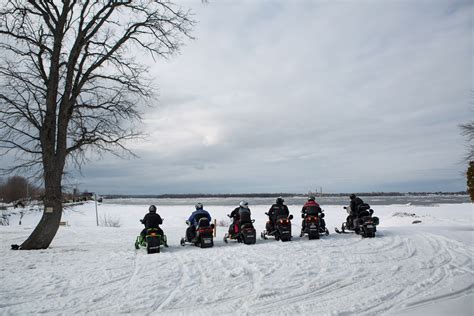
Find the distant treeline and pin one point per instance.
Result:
(271, 195)
(198, 195)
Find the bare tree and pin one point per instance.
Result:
(15, 189)
(69, 83)
(468, 131)
(470, 180)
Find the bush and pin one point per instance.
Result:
(4, 220)
(223, 223)
(109, 221)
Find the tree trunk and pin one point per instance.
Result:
(43, 234)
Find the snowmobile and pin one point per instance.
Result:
(203, 235)
(152, 241)
(243, 231)
(281, 230)
(364, 224)
(312, 225)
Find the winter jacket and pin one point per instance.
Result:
(355, 205)
(235, 214)
(152, 220)
(197, 215)
(239, 212)
(278, 210)
(310, 205)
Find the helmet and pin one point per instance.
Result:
(152, 208)
(199, 206)
(279, 200)
(311, 198)
(352, 196)
(244, 204)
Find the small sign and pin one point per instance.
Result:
(49, 209)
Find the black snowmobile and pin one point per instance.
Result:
(281, 230)
(152, 241)
(242, 231)
(312, 223)
(362, 222)
(203, 234)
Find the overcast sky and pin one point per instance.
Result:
(290, 96)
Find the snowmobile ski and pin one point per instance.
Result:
(341, 231)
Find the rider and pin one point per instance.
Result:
(193, 220)
(310, 207)
(354, 208)
(151, 220)
(239, 215)
(277, 210)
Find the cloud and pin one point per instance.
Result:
(287, 95)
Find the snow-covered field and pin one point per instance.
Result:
(408, 269)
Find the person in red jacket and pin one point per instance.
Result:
(311, 202)
(312, 207)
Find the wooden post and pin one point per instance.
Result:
(215, 227)
(96, 213)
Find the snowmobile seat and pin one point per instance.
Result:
(246, 225)
(203, 222)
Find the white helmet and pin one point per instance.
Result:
(244, 204)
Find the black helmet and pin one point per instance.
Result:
(352, 196)
(152, 208)
(279, 200)
(311, 198)
(199, 206)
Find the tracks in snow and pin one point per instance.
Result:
(343, 275)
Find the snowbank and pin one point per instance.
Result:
(408, 269)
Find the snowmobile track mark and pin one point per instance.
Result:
(159, 306)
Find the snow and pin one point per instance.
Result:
(407, 269)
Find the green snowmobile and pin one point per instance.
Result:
(152, 241)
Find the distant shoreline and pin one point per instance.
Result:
(271, 195)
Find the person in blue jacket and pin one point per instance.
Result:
(193, 220)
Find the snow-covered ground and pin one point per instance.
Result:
(408, 269)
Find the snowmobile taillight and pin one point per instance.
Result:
(204, 230)
(284, 221)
